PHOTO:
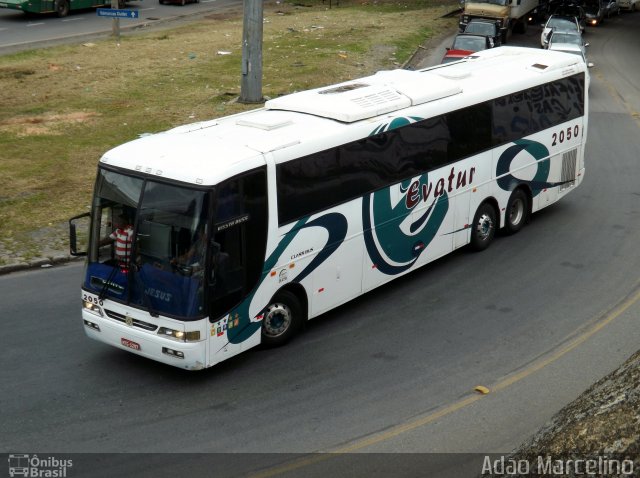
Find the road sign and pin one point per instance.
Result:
(114, 13)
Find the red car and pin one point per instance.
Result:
(465, 44)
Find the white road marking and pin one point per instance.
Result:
(73, 19)
(34, 24)
(145, 9)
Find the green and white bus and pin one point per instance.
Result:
(246, 226)
(59, 7)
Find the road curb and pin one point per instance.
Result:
(42, 263)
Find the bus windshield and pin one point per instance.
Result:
(148, 245)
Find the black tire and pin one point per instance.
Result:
(517, 211)
(483, 228)
(61, 7)
(283, 318)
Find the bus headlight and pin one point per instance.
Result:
(190, 336)
(95, 309)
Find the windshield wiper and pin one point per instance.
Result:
(105, 283)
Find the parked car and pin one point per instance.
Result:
(627, 5)
(560, 24)
(487, 28)
(465, 44)
(558, 40)
(596, 11)
(612, 7)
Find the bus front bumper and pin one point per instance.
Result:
(186, 355)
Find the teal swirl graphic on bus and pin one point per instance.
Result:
(397, 122)
(539, 152)
(336, 226)
(396, 251)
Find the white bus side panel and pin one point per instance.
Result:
(339, 278)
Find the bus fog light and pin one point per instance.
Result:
(173, 353)
(92, 308)
(191, 336)
(91, 325)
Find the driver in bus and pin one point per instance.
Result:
(193, 258)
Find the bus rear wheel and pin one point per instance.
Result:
(282, 319)
(61, 7)
(483, 228)
(517, 211)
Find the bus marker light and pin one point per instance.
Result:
(273, 273)
(292, 265)
(321, 290)
(91, 325)
(173, 353)
(475, 190)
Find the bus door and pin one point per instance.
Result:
(237, 250)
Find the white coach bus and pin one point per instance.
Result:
(243, 227)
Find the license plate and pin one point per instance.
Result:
(130, 343)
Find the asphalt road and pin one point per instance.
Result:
(19, 31)
(536, 318)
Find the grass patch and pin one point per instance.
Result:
(63, 107)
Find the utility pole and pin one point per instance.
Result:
(251, 81)
(115, 25)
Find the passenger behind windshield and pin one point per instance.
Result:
(122, 237)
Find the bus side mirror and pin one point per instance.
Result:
(79, 234)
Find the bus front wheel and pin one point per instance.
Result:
(517, 211)
(62, 8)
(483, 228)
(282, 319)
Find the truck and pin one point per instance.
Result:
(509, 15)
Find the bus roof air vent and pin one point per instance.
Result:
(375, 95)
(343, 102)
(343, 88)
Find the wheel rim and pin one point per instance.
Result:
(517, 212)
(277, 320)
(484, 227)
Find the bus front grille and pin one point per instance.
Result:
(132, 322)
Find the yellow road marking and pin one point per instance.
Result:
(463, 402)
